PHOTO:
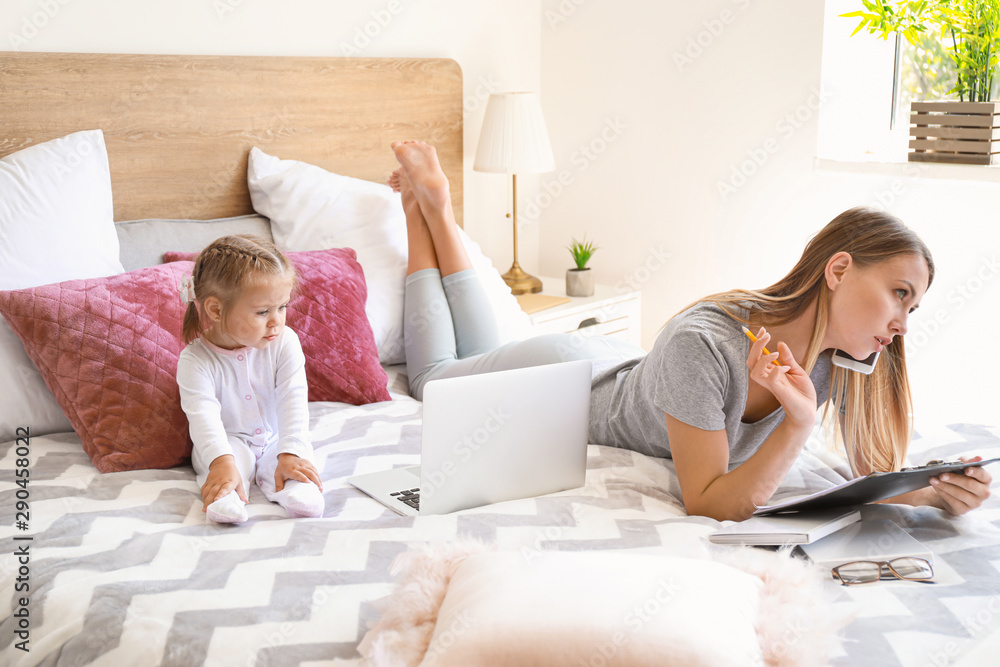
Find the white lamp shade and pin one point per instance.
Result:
(514, 139)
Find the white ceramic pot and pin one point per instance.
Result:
(579, 282)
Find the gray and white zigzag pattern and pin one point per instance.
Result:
(125, 571)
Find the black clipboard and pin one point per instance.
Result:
(871, 488)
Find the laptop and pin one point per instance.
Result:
(493, 437)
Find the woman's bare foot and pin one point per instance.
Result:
(421, 167)
(420, 243)
(401, 184)
(421, 173)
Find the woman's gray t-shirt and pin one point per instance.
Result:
(697, 373)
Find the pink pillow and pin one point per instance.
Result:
(328, 313)
(108, 347)
(461, 602)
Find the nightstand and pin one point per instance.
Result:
(609, 312)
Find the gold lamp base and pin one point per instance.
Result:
(521, 282)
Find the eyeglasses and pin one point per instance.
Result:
(868, 571)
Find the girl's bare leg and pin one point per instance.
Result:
(429, 186)
(420, 244)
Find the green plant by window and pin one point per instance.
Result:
(969, 28)
(582, 252)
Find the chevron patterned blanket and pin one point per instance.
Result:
(123, 569)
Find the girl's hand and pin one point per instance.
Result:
(789, 383)
(958, 493)
(223, 477)
(291, 466)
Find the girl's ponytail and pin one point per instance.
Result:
(191, 327)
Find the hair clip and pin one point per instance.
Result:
(187, 290)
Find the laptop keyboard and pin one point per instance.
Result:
(410, 497)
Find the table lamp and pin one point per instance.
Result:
(515, 141)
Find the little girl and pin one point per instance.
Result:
(242, 382)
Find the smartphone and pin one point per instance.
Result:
(844, 360)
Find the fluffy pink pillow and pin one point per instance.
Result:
(328, 313)
(108, 347)
(464, 603)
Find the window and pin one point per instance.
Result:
(858, 122)
(869, 83)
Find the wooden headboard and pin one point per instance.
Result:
(179, 128)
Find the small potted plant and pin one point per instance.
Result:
(963, 131)
(579, 281)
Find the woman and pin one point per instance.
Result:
(732, 420)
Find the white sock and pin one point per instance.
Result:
(304, 499)
(227, 509)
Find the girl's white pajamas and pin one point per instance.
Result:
(251, 403)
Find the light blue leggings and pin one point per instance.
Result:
(449, 331)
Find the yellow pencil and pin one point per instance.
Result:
(754, 339)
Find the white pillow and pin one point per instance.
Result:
(313, 209)
(57, 223)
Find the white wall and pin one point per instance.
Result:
(496, 43)
(715, 165)
(654, 107)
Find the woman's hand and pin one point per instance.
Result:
(291, 466)
(223, 477)
(789, 383)
(958, 493)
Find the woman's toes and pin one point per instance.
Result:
(394, 181)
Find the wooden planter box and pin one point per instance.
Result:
(962, 132)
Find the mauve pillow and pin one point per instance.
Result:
(108, 347)
(328, 313)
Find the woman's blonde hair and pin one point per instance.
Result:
(225, 268)
(877, 408)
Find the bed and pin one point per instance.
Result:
(120, 567)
